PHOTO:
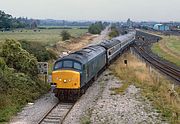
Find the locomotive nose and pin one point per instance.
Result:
(66, 79)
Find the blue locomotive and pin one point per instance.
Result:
(72, 74)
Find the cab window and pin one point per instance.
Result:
(58, 65)
(68, 64)
(77, 66)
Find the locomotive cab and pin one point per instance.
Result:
(66, 74)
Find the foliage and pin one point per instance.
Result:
(114, 31)
(65, 35)
(96, 28)
(18, 58)
(16, 89)
(38, 50)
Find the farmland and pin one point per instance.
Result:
(46, 36)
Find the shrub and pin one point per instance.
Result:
(65, 35)
(114, 31)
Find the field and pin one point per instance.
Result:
(168, 48)
(47, 36)
(154, 87)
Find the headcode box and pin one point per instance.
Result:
(42, 68)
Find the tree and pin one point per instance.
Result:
(65, 35)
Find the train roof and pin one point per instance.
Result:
(109, 43)
(84, 55)
(125, 37)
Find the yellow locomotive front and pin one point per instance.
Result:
(66, 79)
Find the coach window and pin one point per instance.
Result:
(77, 66)
(67, 64)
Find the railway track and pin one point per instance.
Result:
(172, 72)
(57, 114)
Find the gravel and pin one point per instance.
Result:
(33, 112)
(100, 105)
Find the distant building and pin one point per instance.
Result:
(161, 27)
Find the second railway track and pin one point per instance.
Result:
(57, 114)
(165, 68)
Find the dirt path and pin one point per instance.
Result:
(78, 43)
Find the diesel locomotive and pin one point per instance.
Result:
(73, 73)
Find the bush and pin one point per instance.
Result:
(38, 50)
(18, 58)
(65, 35)
(96, 28)
(114, 31)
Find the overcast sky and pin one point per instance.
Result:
(117, 10)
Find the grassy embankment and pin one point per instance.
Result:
(168, 48)
(154, 86)
(16, 87)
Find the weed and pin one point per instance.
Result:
(154, 86)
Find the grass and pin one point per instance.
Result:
(154, 86)
(47, 36)
(168, 48)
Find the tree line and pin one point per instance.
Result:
(8, 22)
